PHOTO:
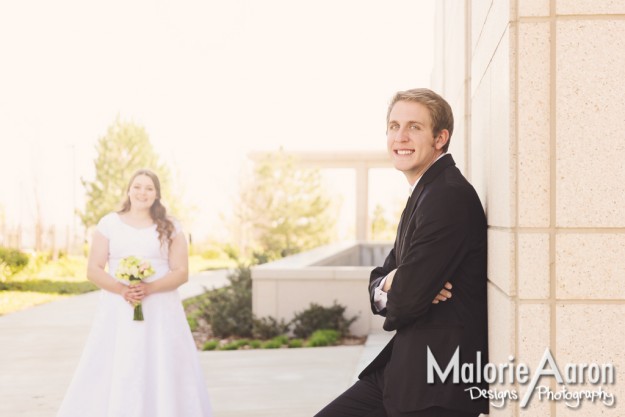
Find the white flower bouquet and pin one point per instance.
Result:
(132, 270)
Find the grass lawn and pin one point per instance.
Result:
(46, 280)
(43, 281)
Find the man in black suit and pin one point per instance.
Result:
(440, 247)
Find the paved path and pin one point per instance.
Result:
(40, 348)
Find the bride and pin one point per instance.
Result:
(132, 368)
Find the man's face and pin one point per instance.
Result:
(409, 139)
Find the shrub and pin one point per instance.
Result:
(12, 261)
(317, 317)
(230, 346)
(272, 344)
(242, 342)
(229, 309)
(325, 337)
(212, 253)
(210, 345)
(269, 327)
(255, 344)
(192, 323)
(296, 343)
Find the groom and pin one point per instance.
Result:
(440, 246)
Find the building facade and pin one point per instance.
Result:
(537, 90)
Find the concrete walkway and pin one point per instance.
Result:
(40, 348)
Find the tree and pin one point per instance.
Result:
(124, 149)
(381, 228)
(283, 209)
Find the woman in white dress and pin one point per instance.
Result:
(146, 368)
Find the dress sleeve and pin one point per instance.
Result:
(104, 225)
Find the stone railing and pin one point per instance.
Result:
(337, 272)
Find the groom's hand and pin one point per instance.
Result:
(389, 280)
(444, 294)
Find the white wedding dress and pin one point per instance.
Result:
(132, 368)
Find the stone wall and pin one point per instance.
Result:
(537, 89)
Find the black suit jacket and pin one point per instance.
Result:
(441, 237)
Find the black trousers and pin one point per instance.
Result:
(364, 399)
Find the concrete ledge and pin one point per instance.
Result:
(333, 273)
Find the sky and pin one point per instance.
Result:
(211, 81)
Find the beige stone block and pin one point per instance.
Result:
(490, 35)
(491, 135)
(592, 333)
(501, 325)
(585, 7)
(534, 408)
(480, 133)
(590, 266)
(533, 107)
(454, 47)
(455, 98)
(529, 8)
(501, 260)
(534, 332)
(590, 107)
(590, 409)
(501, 177)
(479, 12)
(533, 265)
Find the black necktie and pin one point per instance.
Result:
(400, 229)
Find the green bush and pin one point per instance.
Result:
(211, 345)
(12, 261)
(317, 317)
(296, 343)
(324, 337)
(242, 342)
(230, 346)
(269, 327)
(192, 323)
(272, 344)
(229, 309)
(213, 253)
(255, 344)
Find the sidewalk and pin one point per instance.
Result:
(40, 348)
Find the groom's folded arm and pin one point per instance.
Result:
(376, 281)
(437, 248)
(380, 297)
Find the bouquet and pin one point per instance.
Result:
(132, 269)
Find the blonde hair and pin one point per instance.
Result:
(440, 111)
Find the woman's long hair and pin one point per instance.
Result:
(158, 212)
